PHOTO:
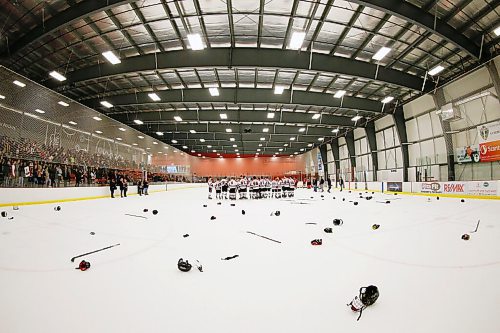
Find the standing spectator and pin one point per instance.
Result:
(46, 176)
(78, 176)
(66, 175)
(341, 183)
(112, 187)
(322, 184)
(145, 185)
(329, 183)
(58, 175)
(121, 183)
(139, 187)
(315, 184)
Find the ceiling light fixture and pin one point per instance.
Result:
(195, 42)
(155, 143)
(387, 99)
(355, 118)
(321, 139)
(231, 139)
(98, 132)
(202, 140)
(297, 40)
(265, 130)
(270, 115)
(262, 139)
(229, 130)
(381, 53)
(140, 137)
(303, 129)
(119, 139)
(58, 76)
(63, 103)
(316, 116)
(154, 97)
(97, 118)
(177, 118)
(159, 133)
(192, 131)
(122, 129)
(111, 57)
(174, 141)
(436, 70)
(214, 91)
(184, 147)
(497, 31)
(223, 116)
(40, 111)
(336, 130)
(71, 123)
(339, 94)
(19, 83)
(278, 90)
(138, 122)
(106, 104)
(2, 97)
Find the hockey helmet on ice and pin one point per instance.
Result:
(368, 295)
(184, 266)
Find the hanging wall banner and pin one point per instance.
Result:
(489, 141)
(468, 154)
(320, 164)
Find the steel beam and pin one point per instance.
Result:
(334, 144)
(246, 57)
(241, 96)
(439, 102)
(372, 143)
(349, 140)
(424, 19)
(399, 122)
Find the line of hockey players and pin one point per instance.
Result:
(253, 188)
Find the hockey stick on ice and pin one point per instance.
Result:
(477, 226)
(104, 248)
(273, 240)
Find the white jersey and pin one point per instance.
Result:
(243, 183)
(274, 184)
(218, 185)
(262, 183)
(268, 183)
(291, 183)
(255, 183)
(210, 183)
(232, 184)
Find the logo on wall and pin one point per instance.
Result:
(484, 132)
(431, 187)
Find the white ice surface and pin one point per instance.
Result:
(430, 280)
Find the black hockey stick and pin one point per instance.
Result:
(477, 226)
(142, 217)
(104, 248)
(273, 240)
(231, 257)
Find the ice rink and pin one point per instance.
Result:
(430, 280)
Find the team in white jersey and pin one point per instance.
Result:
(257, 187)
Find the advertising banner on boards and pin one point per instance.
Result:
(482, 188)
(489, 142)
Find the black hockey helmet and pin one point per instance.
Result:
(368, 295)
(338, 222)
(184, 266)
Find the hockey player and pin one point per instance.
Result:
(243, 187)
(291, 184)
(218, 189)
(224, 187)
(367, 296)
(280, 187)
(255, 187)
(210, 187)
(232, 186)
(262, 187)
(274, 187)
(268, 187)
